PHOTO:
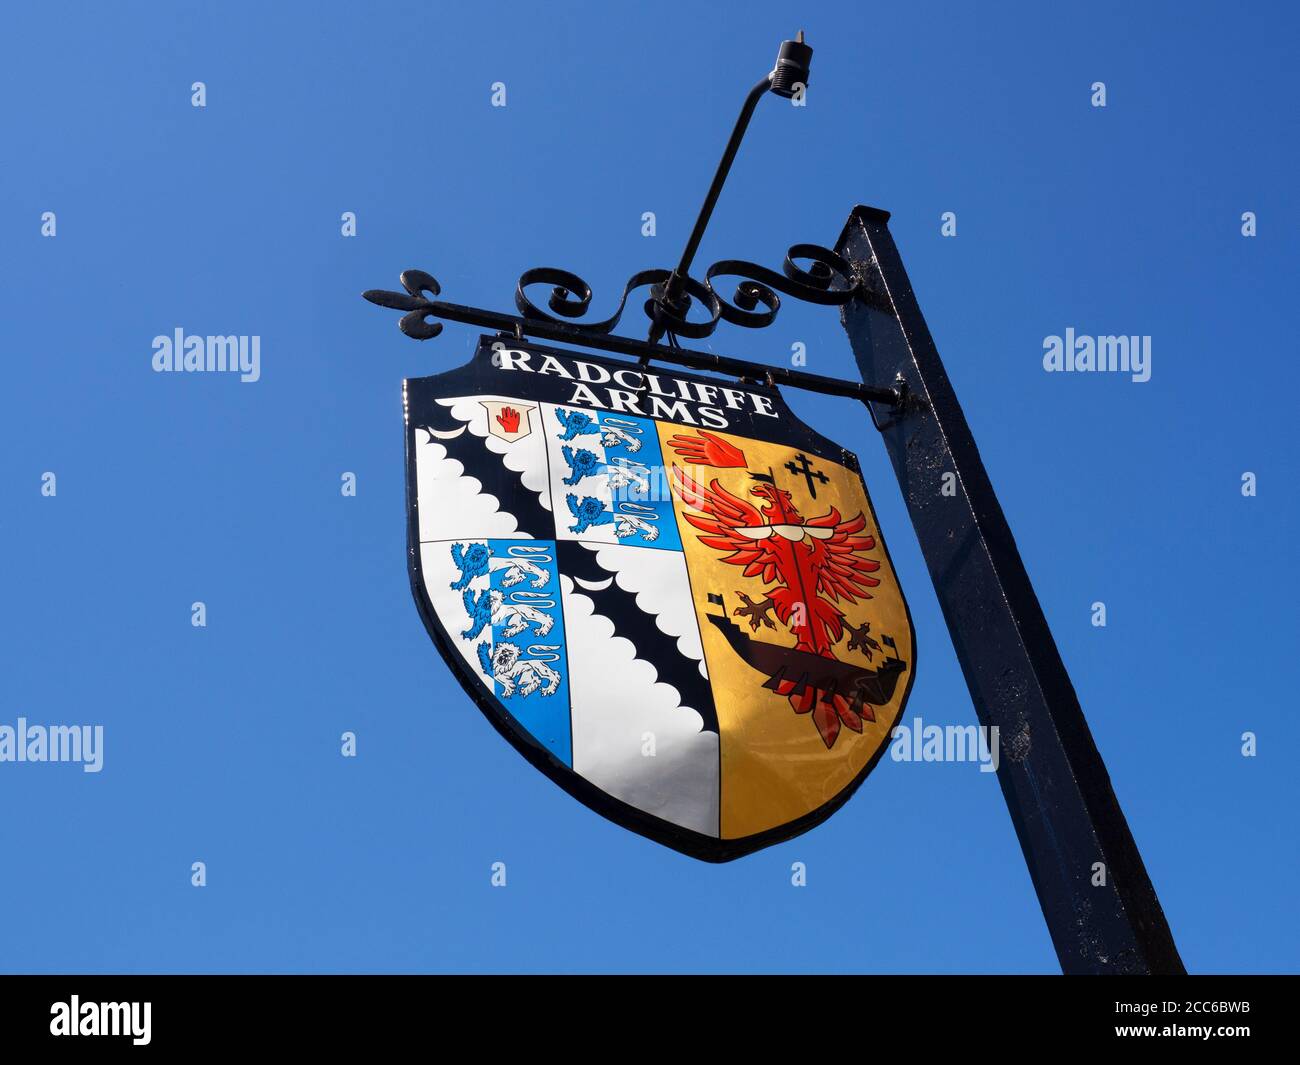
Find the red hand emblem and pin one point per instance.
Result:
(707, 450)
(508, 419)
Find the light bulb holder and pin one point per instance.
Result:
(793, 63)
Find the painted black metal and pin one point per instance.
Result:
(671, 302)
(420, 397)
(829, 281)
(1053, 779)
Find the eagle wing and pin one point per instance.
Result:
(724, 515)
(845, 573)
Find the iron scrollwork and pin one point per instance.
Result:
(827, 280)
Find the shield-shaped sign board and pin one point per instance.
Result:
(665, 590)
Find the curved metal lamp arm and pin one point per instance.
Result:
(790, 72)
(720, 176)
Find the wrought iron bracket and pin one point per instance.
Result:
(673, 294)
(828, 281)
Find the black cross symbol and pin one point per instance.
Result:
(805, 470)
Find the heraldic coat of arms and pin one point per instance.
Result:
(665, 590)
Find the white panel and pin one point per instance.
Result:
(453, 504)
(617, 699)
(657, 578)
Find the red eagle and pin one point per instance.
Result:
(815, 563)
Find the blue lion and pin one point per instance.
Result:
(479, 610)
(591, 511)
(472, 563)
(576, 423)
(582, 463)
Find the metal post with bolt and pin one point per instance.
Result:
(1101, 909)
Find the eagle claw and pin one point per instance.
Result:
(860, 641)
(757, 613)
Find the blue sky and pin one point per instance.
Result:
(222, 743)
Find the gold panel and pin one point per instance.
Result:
(778, 764)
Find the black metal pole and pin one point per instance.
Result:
(1101, 909)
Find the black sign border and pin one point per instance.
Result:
(694, 844)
